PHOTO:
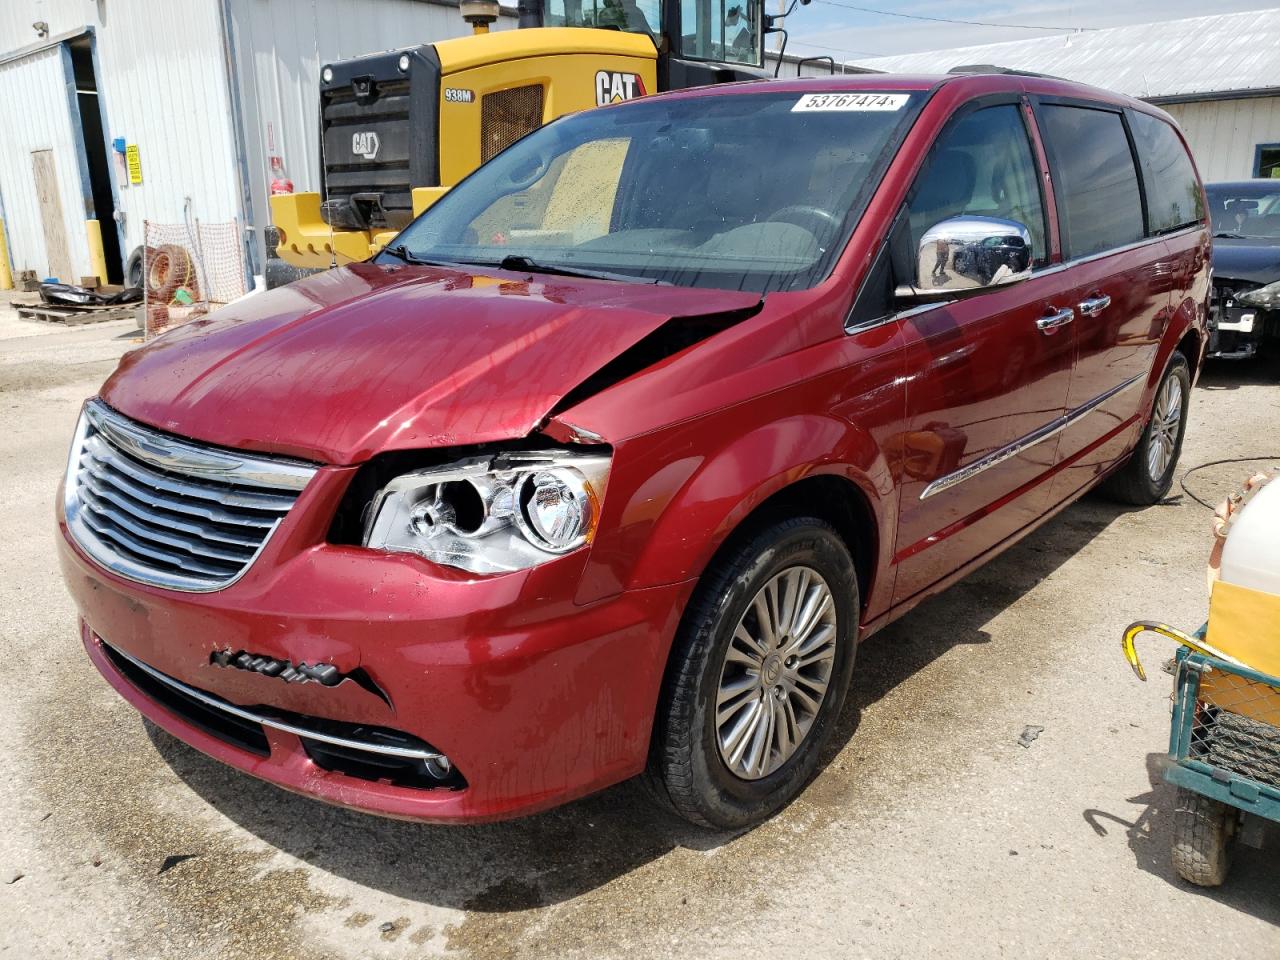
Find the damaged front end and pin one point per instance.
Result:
(512, 505)
(1244, 318)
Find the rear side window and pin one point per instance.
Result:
(982, 166)
(1099, 202)
(1173, 193)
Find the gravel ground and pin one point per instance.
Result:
(931, 831)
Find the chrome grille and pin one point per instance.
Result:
(170, 512)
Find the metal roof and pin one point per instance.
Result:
(1196, 59)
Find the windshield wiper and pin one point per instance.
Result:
(1229, 236)
(401, 252)
(523, 264)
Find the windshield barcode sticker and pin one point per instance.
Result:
(850, 102)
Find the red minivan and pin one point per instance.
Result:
(606, 465)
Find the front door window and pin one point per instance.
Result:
(982, 166)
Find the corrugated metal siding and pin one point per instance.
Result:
(162, 80)
(34, 115)
(1225, 134)
(1226, 52)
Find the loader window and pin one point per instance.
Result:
(751, 191)
(630, 16)
(726, 31)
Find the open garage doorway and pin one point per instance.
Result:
(95, 159)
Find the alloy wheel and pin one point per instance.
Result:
(1166, 422)
(776, 672)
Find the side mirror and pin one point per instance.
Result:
(967, 255)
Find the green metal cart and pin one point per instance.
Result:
(1225, 748)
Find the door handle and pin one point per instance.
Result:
(1094, 305)
(1051, 322)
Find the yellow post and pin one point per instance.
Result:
(97, 259)
(6, 275)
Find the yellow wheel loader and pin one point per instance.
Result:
(399, 128)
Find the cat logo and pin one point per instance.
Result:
(614, 87)
(365, 144)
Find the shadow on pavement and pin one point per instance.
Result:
(1250, 886)
(959, 614)
(1233, 374)
(555, 856)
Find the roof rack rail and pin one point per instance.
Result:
(992, 68)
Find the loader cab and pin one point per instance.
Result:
(699, 41)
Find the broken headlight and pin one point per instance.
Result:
(1265, 298)
(492, 514)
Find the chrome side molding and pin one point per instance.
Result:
(1022, 444)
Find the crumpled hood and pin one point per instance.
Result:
(368, 358)
(1257, 261)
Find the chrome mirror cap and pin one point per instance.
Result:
(966, 255)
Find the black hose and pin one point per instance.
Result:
(1216, 463)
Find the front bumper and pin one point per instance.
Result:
(1236, 332)
(307, 241)
(534, 700)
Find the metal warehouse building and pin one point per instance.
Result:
(115, 112)
(1218, 76)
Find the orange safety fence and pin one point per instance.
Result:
(189, 270)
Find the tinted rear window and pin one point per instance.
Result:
(1099, 202)
(1173, 192)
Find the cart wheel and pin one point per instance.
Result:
(1203, 830)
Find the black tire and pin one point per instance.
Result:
(1203, 831)
(687, 772)
(133, 268)
(169, 269)
(1133, 483)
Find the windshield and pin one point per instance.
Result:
(1245, 210)
(747, 192)
(630, 16)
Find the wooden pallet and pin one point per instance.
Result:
(72, 316)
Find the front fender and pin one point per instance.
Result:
(742, 476)
(670, 523)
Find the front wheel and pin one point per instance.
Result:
(1203, 830)
(1148, 475)
(757, 675)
